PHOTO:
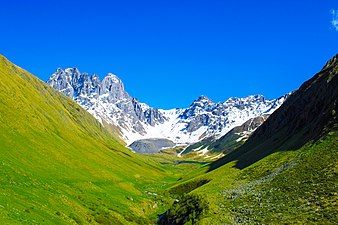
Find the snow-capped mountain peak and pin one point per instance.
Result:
(203, 98)
(108, 101)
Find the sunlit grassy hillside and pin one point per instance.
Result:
(59, 165)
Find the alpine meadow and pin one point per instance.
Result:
(168, 112)
(60, 165)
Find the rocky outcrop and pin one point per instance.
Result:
(107, 100)
(222, 117)
(150, 146)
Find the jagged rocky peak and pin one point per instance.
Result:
(111, 81)
(197, 106)
(108, 101)
(203, 98)
(235, 101)
(113, 86)
(202, 101)
(96, 79)
(220, 117)
(61, 81)
(72, 71)
(73, 83)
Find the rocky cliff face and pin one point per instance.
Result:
(221, 117)
(108, 101)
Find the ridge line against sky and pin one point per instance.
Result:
(169, 53)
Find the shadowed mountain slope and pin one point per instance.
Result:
(305, 116)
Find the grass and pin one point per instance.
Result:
(304, 190)
(289, 187)
(286, 173)
(58, 165)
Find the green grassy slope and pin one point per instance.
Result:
(286, 173)
(290, 187)
(58, 165)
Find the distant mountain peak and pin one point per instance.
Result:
(73, 71)
(257, 97)
(202, 101)
(113, 78)
(203, 98)
(108, 101)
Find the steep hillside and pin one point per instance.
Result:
(306, 116)
(59, 165)
(285, 173)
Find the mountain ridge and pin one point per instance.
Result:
(108, 101)
(308, 114)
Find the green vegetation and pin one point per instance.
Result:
(287, 170)
(304, 190)
(285, 187)
(186, 210)
(58, 165)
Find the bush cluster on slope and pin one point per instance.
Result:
(187, 210)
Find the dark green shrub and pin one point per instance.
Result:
(186, 210)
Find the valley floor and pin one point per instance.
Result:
(293, 187)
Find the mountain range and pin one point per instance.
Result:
(61, 165)
(108, 101)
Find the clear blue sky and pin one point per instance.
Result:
(169, 52)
